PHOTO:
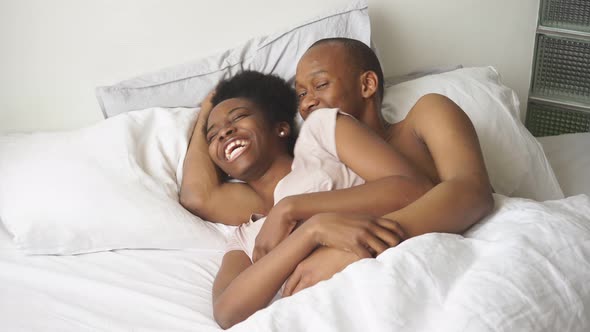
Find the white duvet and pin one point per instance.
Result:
(524, 268)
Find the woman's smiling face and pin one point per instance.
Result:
(240, 138)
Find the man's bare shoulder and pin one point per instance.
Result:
(434, 114)
(431, 106)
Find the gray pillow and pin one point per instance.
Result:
(187, 84)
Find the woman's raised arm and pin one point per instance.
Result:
(203, 191)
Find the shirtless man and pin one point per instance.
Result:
(436, 136)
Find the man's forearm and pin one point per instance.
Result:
(387, 195)
(451, 207)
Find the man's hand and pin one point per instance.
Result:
(322, 264)
(364, 235)
(346, 239)
(277, 226)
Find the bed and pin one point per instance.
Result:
(92, 236)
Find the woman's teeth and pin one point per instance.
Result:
(234, 148)
(235, 152)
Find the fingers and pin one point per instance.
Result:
(387, 236)
(377, 246)
(210, 96)
(365, 236)
(257, 254)
(261, 246)
(393, 226)
(206, 103)
(300, 286)
(291, 283)
(361, 251)
(293, 287)
(375, 239)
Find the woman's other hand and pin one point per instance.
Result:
(321, 265)
(277, 226)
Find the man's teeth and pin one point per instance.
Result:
(234, 148)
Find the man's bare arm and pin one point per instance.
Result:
(203, 191)
(393, 182)
(461, 199)
(464, 195)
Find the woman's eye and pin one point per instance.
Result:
(210, 138)
(241, 116)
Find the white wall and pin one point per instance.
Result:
(53, 53)
(413, 34)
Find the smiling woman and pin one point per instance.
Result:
(245, 130)
(240, 140)
(252, 119)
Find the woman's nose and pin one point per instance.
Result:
(226, 131)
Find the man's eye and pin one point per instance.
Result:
(301, 94)
(321, 85)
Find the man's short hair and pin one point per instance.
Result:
(361, 54)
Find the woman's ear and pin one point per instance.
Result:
(369, 84)
(283, 129)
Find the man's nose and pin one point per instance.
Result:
(308, 105)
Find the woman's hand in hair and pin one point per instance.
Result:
(206, 104)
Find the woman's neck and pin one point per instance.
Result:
(265, 185)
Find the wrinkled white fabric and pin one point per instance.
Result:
(524, 268)
(112, 185)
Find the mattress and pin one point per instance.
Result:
(569, 155)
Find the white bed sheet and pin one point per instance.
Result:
(524, 268)
(125, 290)
(569, 156)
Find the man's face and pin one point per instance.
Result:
(326, 78)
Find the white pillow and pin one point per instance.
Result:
(515, 160)
(109, 186)
(186, 85)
